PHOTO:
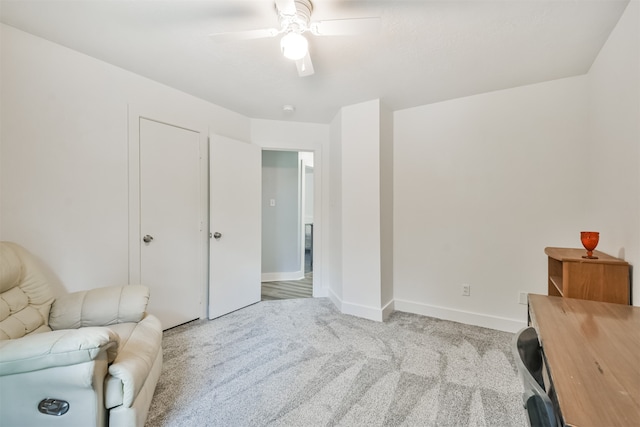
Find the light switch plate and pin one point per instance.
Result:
(522, 298)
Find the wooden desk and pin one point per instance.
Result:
(592, 351)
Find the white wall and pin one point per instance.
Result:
(280, 223)
(386, 207)
(361, 258)
(334, 246)
(481, 186)
(64, 148)
(614, 131)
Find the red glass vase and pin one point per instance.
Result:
(589, 240)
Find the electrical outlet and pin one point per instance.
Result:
(466, 290)
(522, 298)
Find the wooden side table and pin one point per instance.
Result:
(571, 276)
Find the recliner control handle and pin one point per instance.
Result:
(55, 407)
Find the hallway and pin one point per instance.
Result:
(290, 289)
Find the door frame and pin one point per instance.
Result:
(302, 210)
(318, 289)
(178, 119)
(303, 223)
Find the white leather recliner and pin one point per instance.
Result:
(90, 358)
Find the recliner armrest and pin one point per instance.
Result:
(57, 348)
(99, 307)
(136, 357)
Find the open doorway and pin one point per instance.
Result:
(287, 224)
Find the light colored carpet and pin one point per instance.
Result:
(300, 362)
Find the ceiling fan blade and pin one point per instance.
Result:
(286, 7)
(244, 35)
(304, 65)
(346, 27)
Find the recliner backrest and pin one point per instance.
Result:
(25, 296)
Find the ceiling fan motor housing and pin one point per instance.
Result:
(299, 21)
(304, 9)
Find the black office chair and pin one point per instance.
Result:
(528, 355)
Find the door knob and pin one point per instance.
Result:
(147, 238)
(217, 235)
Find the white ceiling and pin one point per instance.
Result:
(426, 51)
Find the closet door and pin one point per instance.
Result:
(170, 223)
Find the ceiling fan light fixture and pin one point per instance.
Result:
(294, 46)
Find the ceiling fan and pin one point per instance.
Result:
(295, 20)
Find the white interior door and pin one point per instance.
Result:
(235, 223)
(170, 223)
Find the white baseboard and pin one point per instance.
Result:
(334, 299)
(320, 293)
(363, 311)
(467, 317)
(282, 276)
(371, 313)
(477, 319)
(388, 309)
